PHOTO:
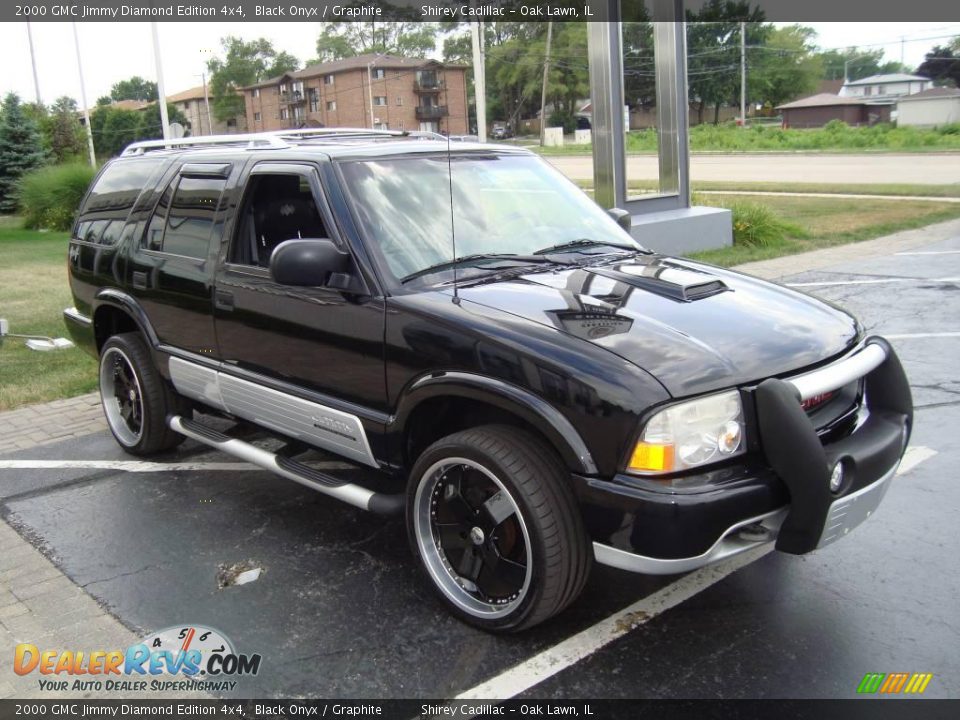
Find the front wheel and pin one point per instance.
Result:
(136, 399)
(495, 526)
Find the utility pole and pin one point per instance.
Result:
(206, 100)
(33, 62)
(543, 93)
(903, 42)
(479, 79)
(83, 99)
(743, 74)
(370, 90)
(162, 99)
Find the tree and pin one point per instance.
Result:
(243, 63)
(942, 64)
(135, 88)
(639, 71)
(713, 51)
(857, 63)
(66, 134)
(21, 150)
(114, 128)
(786, 67)
(340, 40)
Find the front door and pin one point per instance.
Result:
(313, 343)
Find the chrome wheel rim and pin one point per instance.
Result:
(121, 396)
(472, 538)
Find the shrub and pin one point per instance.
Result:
(49, 197)
(566, 120)
(757, 225)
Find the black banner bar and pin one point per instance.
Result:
(855, 709)
(457, 10)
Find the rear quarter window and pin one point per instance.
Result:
(113, 195)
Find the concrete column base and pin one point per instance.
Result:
(679, 232)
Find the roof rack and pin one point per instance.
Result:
(253, 141)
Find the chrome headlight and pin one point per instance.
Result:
(691, 434)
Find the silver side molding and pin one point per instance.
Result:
(853, 367)
(309, 422)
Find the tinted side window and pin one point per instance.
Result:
(184, 217)
(120, 183)
(192, 215)
(153, 239)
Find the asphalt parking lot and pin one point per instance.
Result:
(339, 610)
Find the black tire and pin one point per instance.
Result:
(136, 399)
(475, 561)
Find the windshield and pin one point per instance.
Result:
(502, 204)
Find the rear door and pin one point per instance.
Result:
(172, 266)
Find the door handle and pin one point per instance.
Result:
(223, 300)
(139, 280)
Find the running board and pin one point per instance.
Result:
(360, 497)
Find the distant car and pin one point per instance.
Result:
(501, 132)
(583, 123)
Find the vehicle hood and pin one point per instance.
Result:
(695, 328)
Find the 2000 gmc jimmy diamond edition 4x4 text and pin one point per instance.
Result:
(544, 392)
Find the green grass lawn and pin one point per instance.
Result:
(825, 222)
(772, 138)
(33, 294)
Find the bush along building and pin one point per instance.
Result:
(368, 91)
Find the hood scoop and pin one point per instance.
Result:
(668, 281)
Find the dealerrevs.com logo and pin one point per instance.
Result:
(179, 658)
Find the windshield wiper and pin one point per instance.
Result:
(583, 242)
(473, 258)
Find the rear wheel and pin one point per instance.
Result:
(136, 399)
(495, 526)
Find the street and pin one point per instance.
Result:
(935, 168)
(340, 611)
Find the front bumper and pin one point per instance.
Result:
(786, 498)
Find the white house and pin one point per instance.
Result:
(887, 86)
(930, 108)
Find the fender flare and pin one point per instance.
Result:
(122, 301)
(519, 401)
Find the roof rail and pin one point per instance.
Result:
(252, 141)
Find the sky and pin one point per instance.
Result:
(115, 51)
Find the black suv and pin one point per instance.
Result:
(539, 391)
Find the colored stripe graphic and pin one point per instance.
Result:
(918, 683)
(894, 683)
(871, 682)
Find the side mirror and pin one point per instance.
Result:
(624, 219)
(310, 263)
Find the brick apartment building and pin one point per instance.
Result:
(193, 104)
(405, 94)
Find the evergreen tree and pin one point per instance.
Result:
(67, 137)
(21, 150)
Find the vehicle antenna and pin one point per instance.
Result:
(453, 232)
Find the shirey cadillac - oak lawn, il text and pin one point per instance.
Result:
(539, 391)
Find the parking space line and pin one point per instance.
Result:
(551, 661)
(137, 466)
(930, 252)
(918, 336)
(546, 664)
(873, 281)
(913, 457)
